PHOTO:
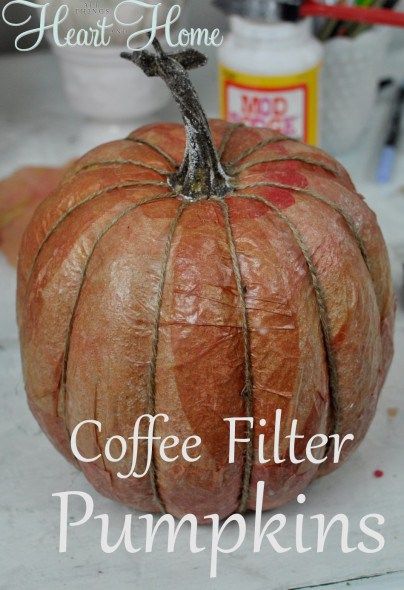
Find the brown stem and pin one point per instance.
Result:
(201, 174)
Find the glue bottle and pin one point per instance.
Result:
(270, 69)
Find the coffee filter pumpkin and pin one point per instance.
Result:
(204, 272)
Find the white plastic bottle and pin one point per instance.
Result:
(269, 76)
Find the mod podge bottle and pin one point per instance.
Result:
(270, 70)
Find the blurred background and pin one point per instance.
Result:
(57, 103)
(91, 83)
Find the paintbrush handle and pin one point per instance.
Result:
(374, 16)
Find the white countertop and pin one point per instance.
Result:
(38, 127)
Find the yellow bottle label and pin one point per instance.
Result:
(288, 104)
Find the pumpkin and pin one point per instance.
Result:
(243, 277)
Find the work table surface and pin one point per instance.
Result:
(38, 127)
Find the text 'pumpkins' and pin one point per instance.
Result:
(244, 277)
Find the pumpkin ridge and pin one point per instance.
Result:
(89, 198)
(347, 218)
(227, 136)
(261, 144)
(296, 158)
(247, 392)
(62, 393)
(151, 385)
(154, 147)
(321, 305)
(105, 163)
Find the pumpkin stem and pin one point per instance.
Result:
(201, 174)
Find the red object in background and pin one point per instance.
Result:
(20, 194)
(378, 473)
(376, 16)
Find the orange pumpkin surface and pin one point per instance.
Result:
(136, 296)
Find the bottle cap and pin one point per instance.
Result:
(262, 10)
(254, 9)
